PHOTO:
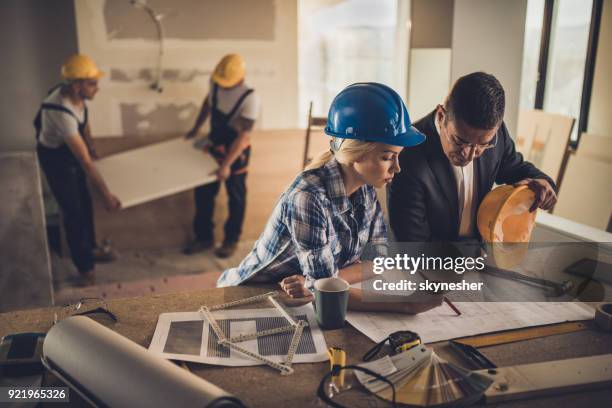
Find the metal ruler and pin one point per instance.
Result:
(269, 332)
(295, 341)
(493, 339)
(548, 378)
(285, 370)
(252, 299)
(297, 326)
(213, 323)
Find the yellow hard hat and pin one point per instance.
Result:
(229, 71)
(80, 67)
(505, 222)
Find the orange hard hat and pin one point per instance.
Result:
(229, 71)
(80, 67)
(504, 221)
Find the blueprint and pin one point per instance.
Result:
(442, 323)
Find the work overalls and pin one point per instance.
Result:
(222, 135)
(68, 184)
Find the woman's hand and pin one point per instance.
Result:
(294, 287)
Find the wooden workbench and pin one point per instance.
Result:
(262, 387)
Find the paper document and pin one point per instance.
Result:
(156, 171)
(188, 336)
(442, 323)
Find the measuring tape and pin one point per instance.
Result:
(252, 299)
(297, 326)
(337, 360)
(295, 341)
(399, 341)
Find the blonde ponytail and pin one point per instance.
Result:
(350, 151)
(319, 161)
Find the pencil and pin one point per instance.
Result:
(448, 302)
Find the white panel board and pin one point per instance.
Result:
(156, 171)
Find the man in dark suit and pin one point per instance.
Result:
(468, 148)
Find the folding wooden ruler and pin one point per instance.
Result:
(297, 326)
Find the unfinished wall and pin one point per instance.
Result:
(37, 37)
(488, 36)
(600, 120)
(123, 41)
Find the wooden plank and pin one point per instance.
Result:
(511, 336)
(148, 173)
(543, 139)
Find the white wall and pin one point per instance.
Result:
(600, 120)
(271, 70)
(488, 36)
(429, 80)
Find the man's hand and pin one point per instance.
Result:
(224, 172)
(545, 196)
(111, 202)
(93, 154)
(191, 134)
(294, 287)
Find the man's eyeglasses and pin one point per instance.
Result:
(478, 147)
(456, 141)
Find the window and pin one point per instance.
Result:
(531, 52)
(567, 57)
(349, 41)
(556, 49)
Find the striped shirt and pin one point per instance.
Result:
(315, 230)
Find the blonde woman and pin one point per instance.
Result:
(324, 220)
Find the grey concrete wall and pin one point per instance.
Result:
(37, 35)
(488, 36)
(25, 272)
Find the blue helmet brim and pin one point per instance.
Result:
(412, 137)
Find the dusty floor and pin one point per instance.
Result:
(139, 273)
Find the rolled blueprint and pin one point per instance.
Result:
(109, 370)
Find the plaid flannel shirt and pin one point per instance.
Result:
(315, 230)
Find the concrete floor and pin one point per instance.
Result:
(139, 273)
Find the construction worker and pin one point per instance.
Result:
(233, 108)
(66, 153)
(323, 222)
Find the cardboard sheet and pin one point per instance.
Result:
(148, 173)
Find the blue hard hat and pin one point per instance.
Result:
(372, 112)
